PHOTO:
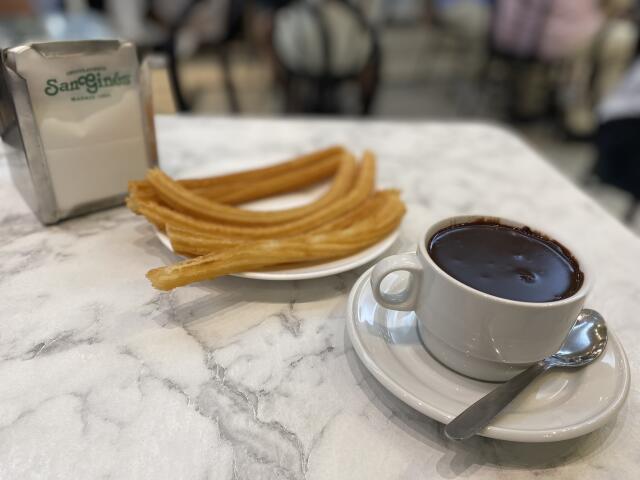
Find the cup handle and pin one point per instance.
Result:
(407, 299)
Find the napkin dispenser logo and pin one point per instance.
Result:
(90, 82)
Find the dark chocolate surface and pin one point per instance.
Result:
(507, 262)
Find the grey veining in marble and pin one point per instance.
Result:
(101, 376)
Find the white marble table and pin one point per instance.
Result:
(101, 376)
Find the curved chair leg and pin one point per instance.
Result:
(229, 86)
(630, 214)
(369, 80)
(174, 77)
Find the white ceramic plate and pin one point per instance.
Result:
(313, 271)
(559, 405)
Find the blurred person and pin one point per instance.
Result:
(468, 18)
(180, 29)
(617, 140)
(15, 7)
(151, 21)
(545, 29)
(29, 7)
(466, 22)
(590, 39)
(598, 67)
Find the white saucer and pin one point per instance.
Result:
(560, 405)
(318, 270)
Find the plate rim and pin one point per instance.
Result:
(276, 275)
(499, 433)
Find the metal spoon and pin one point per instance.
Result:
(586, 342)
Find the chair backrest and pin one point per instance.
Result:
(218, 20)
(331, 40)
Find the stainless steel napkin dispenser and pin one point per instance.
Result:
(77, 124)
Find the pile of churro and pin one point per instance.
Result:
(204, 221)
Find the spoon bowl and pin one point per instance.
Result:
(586, 341)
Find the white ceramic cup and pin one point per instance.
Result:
(472, 332)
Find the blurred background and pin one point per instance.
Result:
(564, 74)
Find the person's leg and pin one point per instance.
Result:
(532, 90)
(468, 18)
(468, 21)
(618, 149)
(614, 56)
(594, 70)
(575, 99)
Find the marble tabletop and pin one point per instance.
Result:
(101, 376)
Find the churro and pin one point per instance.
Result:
(266, 253)
(343, 165)
(222, 184)
(219, 218)
(202, 219)
(237, 193)
(190, 242)
(264, 172)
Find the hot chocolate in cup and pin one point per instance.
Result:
(491, 295)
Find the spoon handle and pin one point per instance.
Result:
(479, 415)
